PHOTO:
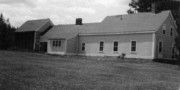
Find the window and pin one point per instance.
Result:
(115, 48)
(83, 47)
(164, 29)
(59, 43)
(133, 46)
(171, 33)
(160, 47)
(56, 43)
(101, 46)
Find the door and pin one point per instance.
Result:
(43, 46)
(160, 49)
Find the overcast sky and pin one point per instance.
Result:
(61, 11)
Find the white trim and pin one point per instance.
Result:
(84, 47)
(103, 47)
(56, 43)
(131, 47)
(77, 43)
(49, 46)
(65, 46)
(117, 47)
(164, 28)
(118, 33)
(154, 45)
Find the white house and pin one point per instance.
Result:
(142, 35)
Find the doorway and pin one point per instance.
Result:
(43, 46)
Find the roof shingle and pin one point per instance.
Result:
(112, 24)
(32, 25)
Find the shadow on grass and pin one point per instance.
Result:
(166, 61)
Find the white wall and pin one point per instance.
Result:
(144, 45)
(56, 50)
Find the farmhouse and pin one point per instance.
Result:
(143, 35)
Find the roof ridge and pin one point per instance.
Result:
(40, 19)
(135, 13)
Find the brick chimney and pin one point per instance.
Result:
(78, 21)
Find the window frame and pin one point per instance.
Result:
(56, 43)
(133, 46)
(160, 46)
(53, 43)
(115, 46)
(101, 46)
(164, 27)
(83, 46)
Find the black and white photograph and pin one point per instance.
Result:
(89, 45)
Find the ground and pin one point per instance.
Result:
(33, 71)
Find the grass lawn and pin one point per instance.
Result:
(32, 71)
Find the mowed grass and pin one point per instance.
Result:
(32, 71)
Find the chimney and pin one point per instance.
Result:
(78, 21)
(153, 8)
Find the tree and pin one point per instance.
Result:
(145, 5)
(130, 11)
(6, 33)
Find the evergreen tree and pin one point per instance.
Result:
(6, 33)
(145, 5)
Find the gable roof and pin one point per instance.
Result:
(67, 31)
(33, 25)
(133, 23)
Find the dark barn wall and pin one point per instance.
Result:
(24, 40)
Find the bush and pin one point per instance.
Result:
(122, 56)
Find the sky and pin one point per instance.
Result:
(61, 11)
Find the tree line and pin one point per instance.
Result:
(7, 36)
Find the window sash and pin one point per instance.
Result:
(56, 43)
(164, 31)
(83, 47)
(59, 43)
(164, 28)
(115, 48)
(101, 48)
(133, 46)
